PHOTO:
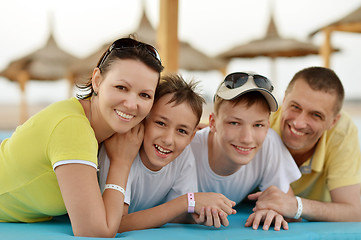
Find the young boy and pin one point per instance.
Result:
(238, 152)
(164, 170)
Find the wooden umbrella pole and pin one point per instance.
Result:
(23, 78)
(71, 80)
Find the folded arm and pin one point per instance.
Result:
(91, 213)
(176, 210)
(345, 205)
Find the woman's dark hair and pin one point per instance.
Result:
(124, 48)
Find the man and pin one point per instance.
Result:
(324, 144)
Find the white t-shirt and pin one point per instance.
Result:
(272, 165)
(147, 188)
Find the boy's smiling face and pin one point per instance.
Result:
(239, 132)
(169, 129)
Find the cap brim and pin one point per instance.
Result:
(228, 94)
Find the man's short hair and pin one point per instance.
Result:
(321, 79)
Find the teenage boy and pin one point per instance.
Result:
(162, 184)
(238, 152)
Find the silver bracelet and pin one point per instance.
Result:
(299, 208)
(115, 187)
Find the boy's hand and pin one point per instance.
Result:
(215, 201)
(267, 217)
(212, 209)
(211, 217)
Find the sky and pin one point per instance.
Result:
(212, 26)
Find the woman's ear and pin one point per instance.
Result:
(96, 79)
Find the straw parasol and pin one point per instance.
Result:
(350, 23)
(272, 45)
(45, 64)
(190, 58)
(48, 63)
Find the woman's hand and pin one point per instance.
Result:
(125, 147)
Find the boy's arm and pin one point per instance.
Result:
(176, 208)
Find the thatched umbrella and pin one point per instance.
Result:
(46, 64)
(82, 69)
(272, 46)
(350, 23)
(189, 57)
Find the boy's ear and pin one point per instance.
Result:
(96, 79)
(212, 122)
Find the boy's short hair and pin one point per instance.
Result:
(182, 92)
(237, 87)
(248, 98)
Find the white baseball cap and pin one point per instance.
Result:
(238, 83)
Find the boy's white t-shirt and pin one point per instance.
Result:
(147, 188)
(272, 165)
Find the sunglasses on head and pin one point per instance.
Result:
(125, 43)
(238, 79)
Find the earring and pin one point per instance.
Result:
(95, 93)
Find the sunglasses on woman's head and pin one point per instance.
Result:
(236, 80)
(130, 43)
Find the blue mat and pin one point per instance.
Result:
(60, 228)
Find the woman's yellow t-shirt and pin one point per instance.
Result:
(29, 191)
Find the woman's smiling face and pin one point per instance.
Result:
(125, 94)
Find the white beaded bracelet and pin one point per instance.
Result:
(115, 187)
(299, 208)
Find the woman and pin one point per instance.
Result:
(49, 166)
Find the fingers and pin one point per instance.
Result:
(250, 219)
(269, 219)
(228, 206)
(257, 220)
(278, 221)
(216, 220)
(224, 219)
(254, 196)
(200, 219)
(227, 209)
(285, 224)
(209, 219)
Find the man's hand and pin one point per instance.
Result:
(274, 199)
